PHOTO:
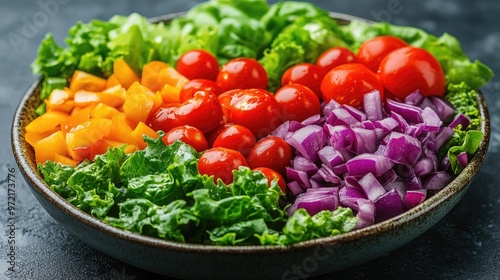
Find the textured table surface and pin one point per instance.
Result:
(464, 245)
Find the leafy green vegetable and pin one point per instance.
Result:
(93, 47)
(159, 192)
(446, 49)
(301, 41)
(470, 144)
(227, 29)
(463, 98)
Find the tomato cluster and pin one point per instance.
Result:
(227, 114)
(383, 63)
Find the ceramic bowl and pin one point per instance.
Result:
(315, 257)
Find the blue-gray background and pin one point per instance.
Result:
(464, 245)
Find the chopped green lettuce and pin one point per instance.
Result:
(159, 192)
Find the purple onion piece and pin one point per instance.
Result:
(403, 149)
(372, 105)
(371, 186)
(308, 141)
(463, 159)
(388, 205)
(461, 119)
(357, 114)
(436, 180)
(414, 198)
(444, 109)
(330, 157)
(411, 114)
(303, 164)
(431, 120)
(368, 163)
(414, 98)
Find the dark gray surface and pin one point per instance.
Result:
(464, 245)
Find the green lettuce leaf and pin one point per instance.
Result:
(470, 144)
(173, 221)
(301, 226)
(301, 41)
(239, 233)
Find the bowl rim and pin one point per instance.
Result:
(36, 183)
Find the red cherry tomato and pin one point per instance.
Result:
(334, 57)
(255, 109)
(187, 134)
(242, 73)
(220, 163)
(348, 83)
(306, 74)
(272, 152)
(372, 51)
(297, 102)
(188, 90)
(272, 175)
(198, 64)
(213, 135)
(409, 69)
(203, 111)
(236, 137)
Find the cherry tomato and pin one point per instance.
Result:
(236, 137)
(242, 73)
(203, 111)
(215, 133)
(220, 162)
(272, 175)
(187, 134)
(198, 64)
(272, 152)
(188, 90)
(255, 109)
(372, 51)
(409, 69)
(334, 57)
(297, 102)
(348, 83)
(306, 74)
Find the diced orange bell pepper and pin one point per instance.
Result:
(120, 129)
(124, 73)
(112, 81)
(46, 122)
(84, 98)
(152, 75)
(173, 77)
(138, 134)
(65, 160)
(33, 137)
(139, 103)
(47, 148)
(89, 132)
(170, 94)
(60, 100)
(102, 110)
(113, 96)
(85, 81)
(77, 117)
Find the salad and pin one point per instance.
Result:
(244, 123)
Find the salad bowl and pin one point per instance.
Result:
(194, 261)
